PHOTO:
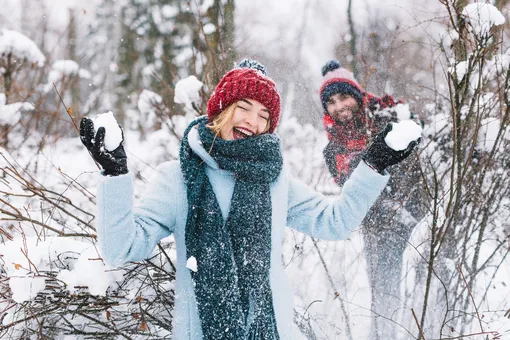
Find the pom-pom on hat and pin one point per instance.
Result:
(339, 80)
(247, 81)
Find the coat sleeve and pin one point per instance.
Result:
(333, 218)
(126, 233)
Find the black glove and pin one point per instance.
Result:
(114, 162)
(380, 156)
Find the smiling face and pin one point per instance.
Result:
(342, 107)
(250, 118)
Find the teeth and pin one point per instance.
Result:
(245, 132)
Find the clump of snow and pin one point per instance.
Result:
(402, 111)
(21, 256)
(191, 264)
(66, 67)
(10, 114)
(488, 133)
(209, 28)
(453, 34)
(459, 69)
(162, 18)
(187, 91)
(21, 47)
(482, 17)
(113, 133)
(88, 271)
(169, 11)
(61, 69)
(84, 74)
(402, 133)
(205, 6)
(26, 288)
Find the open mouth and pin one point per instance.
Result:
(239, 132)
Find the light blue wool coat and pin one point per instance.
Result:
(128, 233)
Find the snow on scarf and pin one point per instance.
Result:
(232, 279)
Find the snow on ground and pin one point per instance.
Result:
(26, 288)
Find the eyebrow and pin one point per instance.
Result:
(247, 102)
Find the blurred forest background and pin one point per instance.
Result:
(445, 277)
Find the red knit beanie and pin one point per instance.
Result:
(247, 82)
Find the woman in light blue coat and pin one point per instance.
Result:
(227, 201)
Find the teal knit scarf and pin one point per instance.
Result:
(233, 258)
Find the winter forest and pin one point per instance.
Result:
(434, 265)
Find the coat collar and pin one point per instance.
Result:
(196, 145)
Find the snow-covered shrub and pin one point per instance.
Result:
(17, 52)
(460, 245)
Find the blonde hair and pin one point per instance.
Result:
(225, 117)
(222, 119)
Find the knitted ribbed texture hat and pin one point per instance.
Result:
(248, 81)
(339, 80)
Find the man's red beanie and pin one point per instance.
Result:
(249, 81)
(340, 80)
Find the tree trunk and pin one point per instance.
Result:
(352, 43)
(458, 45)
(229, 36)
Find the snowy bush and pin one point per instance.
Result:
(464, 162)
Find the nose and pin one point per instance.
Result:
(337, 106)
(251, 118)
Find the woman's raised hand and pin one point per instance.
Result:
(114, 163)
